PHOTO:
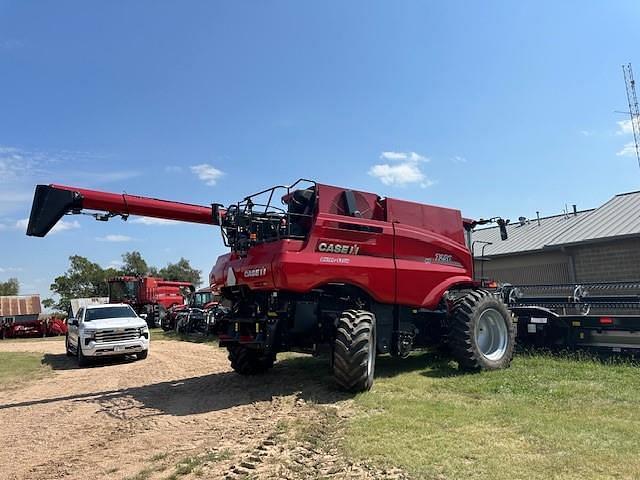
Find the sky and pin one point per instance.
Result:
(494, 108)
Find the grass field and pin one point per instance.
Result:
(18, 367)
(545, 417)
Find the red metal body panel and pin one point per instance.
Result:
(408, 254)
(123, 203)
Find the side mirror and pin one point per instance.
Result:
(143, 316)
(73, 322)
(502, 224)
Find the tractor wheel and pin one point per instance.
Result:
(482, 334)
(247, 361)
(66, 346)
(354, 350)
(82, 360)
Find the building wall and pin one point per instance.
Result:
(610, 261)
(617, 260)
(529, 268)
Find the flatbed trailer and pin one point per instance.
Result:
(602, 317)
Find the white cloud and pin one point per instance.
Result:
(61, 226)
(114, 238)
(153, 221)
(115, 264)
(11, 269)
(405, 169)
(22, 224)
(410, 156)
(459, 159)
(207, 173)
(172, 169)
(625, 127)
(629, 150)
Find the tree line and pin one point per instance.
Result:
(85, 278)
(10, 287)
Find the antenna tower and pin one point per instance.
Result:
(634, 110)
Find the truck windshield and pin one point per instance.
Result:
(121, 290)
(108, 312)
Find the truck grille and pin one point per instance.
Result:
(117, 335)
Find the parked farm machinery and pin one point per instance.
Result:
(329, 268)
(603, 316)
(150, 296)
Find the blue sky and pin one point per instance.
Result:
(495, 108)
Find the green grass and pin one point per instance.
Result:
(18, 367)
(195, 463)
(545, 417)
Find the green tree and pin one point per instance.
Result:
(134, 264)
(181, 271)
(83, 279)
(10, 287)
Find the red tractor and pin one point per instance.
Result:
(329, 268)
(149, 295)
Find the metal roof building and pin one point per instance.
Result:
(602, 244)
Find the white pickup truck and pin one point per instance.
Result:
(106, 330)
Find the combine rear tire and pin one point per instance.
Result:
(482, 334)
(354, 350)
(248, 361)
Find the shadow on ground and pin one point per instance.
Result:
(308, 378)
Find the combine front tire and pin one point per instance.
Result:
(354, 350)
(482, 334)
(247, 361)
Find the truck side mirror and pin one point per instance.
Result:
(143, 316)
(73, 322)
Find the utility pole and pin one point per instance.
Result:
(634, 110)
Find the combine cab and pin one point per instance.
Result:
(315, 268)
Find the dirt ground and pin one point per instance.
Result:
(181, 413)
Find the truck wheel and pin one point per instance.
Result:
(142, 355)
(66, 346)
(82, 360)
(482, 334)
(247, 361)
(354, 350)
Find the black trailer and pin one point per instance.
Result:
(604, 317)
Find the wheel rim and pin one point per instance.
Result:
(492, 334)
(371, 355)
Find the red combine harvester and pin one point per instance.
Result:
(329, 268)
(149, 295)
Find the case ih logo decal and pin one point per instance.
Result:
(255, 272)
(338, 248)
